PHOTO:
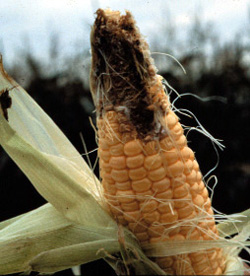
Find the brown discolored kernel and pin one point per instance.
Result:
(169, 218)
(135, 161)
(118, 162)
(151, 217)
(137, 174)
(137, 227)
(132, 148)
(116, 150)
(157, 174)
(152, 162)
(175, 169)
(123, 185)
(161, 185)
(148, 206)
(131, 206)
(115, 210)
(120, 175)
(125, 196)
(181, 191)
(104, 155)
(142, 236)
(132, 216)
(122, 220)
(141, 185)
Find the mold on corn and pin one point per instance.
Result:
(152, 182)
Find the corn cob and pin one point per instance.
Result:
(151, 179)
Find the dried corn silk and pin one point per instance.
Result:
(152, 182)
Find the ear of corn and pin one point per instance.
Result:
(151, 179)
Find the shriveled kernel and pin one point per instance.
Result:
(169, 218)
(151, 217)
(177, 131)
(120, 175)
(123, 185)
(114, 139)
(175, 169)
(157, 174)
(116, 210)
(135, 161)
(132, 148)
(131, 206)
(161, 185)
(104, 155)
(122, 220)
(111, 116)
(118, 162)
(137, 174)
(181, 191)
(166, 144)
(125, 196)
(170, 156)
(148, 206)
(103, 144)
(141, 185)
(152, 162)
(151, 148)
(116, 150)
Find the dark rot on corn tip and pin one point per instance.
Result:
(122, 70)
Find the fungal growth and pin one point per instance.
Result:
(151, 179)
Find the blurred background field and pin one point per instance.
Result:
(211, 42)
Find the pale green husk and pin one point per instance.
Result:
(74, 227)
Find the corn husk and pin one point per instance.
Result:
(74, 227)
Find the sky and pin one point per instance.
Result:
(30, 23)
